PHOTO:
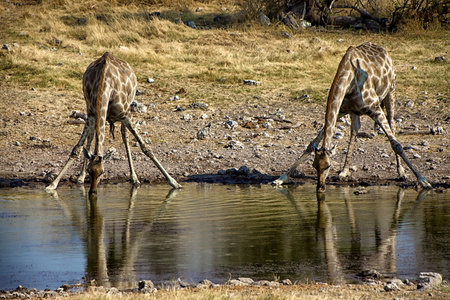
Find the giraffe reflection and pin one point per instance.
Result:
(338, 260)
(110, 254)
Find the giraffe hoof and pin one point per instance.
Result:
(280, 181)
(343, 174)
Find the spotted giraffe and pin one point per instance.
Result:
(363, 84)
(109, 86)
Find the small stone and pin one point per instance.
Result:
(145, 284)
(199, 105)
(191, 24)
(246, 280)
(251, 82)
(174, 98)
(234, 145)
(244, 170)
(230, 124)
(390, 287)
(429, 280)
(198, 9)
(439, 59)
(264, 20)
(236, 282)
(187, 117)
(150, 80)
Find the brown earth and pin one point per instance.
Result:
(37, 136)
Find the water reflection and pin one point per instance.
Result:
(217, 231)
(110, 256)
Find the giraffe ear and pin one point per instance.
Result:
(315, 148)
(86, 154)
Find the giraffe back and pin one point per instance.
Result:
(345, 97)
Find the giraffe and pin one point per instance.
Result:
(363, 85)
(109, 87)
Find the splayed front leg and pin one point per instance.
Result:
(149, 153)
(285, 177)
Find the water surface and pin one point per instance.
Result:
(216, 232)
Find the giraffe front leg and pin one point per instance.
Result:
(133, 177)
(150, 154)
(73, 155)
(285, 177)
(398, 149)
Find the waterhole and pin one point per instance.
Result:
(218, 232)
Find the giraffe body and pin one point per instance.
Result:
(109, 86)
(363, 84)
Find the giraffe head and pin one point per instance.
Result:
(95, 169)
(322, 163)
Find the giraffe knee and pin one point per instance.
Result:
(398, 149)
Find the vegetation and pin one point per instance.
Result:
(52, 42)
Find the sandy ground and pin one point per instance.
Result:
(37, 136)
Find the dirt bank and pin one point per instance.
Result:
(267, 135)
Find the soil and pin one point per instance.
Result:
(38, 134)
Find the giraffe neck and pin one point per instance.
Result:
(101, 109)
(339, 88)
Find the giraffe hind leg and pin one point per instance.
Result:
(82, 175)
(356, 125)
(133, 176)
(389, 104)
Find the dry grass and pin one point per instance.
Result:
(59, 39)
(302, 291)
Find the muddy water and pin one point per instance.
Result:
(216, 232)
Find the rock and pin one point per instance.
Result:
(230, 124)
(191, 24)
(264, 20)
(244, 170)
(437, 130)
(180, 108)
(174, 98)
(138, 107)
(198, 9)
(246, 280)
(390, 287)
(186, 117)
(439, 59)
(185, 284)
(199, 105)
(150, 80)
(145, 284)
(338, 135)
(234, 145)
(236, 282)
(204, 133)
(286, 282)
(267, 283)
(251, 82)
(429, 280)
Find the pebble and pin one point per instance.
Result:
(251, 82)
